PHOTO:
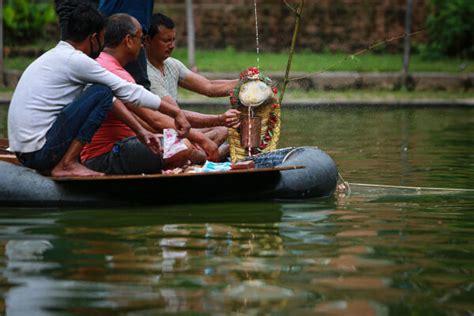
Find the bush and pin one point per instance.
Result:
(25, 22)
(450, 26)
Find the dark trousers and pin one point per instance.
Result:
(78, 120)
(128, 156)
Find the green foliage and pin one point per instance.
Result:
(450, 27)
(25, 21)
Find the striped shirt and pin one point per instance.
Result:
(167, 84)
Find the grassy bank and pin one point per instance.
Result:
(234, 61)
(230, 60)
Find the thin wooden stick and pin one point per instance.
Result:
(292, 49)
(290, 7)
(360, 52)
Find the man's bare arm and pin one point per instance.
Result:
(230, 118)
(155, 120)
(181, 123)
(146, 137)
(159, 121)
(211, 88)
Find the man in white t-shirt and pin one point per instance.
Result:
(167, 73)
(64, 95)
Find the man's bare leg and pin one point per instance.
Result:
(198, 156)
(179, 159)
(224, 151)
(217, 134)
(69, 165)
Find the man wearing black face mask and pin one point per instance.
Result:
(64, 95)
(95, 53)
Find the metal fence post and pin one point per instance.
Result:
(407, 43)
(190, 31)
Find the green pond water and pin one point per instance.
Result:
(375, 251)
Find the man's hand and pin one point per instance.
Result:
(182, 125)
(231, 118)
(152, 141)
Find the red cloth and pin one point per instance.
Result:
(112, 129)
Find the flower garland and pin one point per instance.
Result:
(254, 74)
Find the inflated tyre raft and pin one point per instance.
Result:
(277, 176)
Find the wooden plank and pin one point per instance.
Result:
(158, 189)
(6, 155)
(181, 175)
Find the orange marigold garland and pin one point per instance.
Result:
(272, 122)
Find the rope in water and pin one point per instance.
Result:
(411, 188)
(345, 186)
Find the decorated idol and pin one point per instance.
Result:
(255, 96)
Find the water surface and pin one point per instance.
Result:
(377, 251)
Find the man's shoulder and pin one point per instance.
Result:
(110, 63)
(57, 57)
(170, 61)
(176, 68)
(75, 58)
(61, 49)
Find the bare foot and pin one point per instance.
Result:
(74, 169)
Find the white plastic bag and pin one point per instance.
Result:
(171, 143)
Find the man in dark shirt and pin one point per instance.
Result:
(142, 11)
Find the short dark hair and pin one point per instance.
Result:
(158, 20)
(119, 25)
(64, 10)
(81, 20)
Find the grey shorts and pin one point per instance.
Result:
(128, 156)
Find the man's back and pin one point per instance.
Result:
(139, 9)
(112, 128)
(53, 81)
(47, 85)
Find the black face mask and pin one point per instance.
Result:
(95, 53)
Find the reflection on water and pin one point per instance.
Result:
(377, 251)
(362, 256)
(415, 147)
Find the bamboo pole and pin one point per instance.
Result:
(292, 48)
